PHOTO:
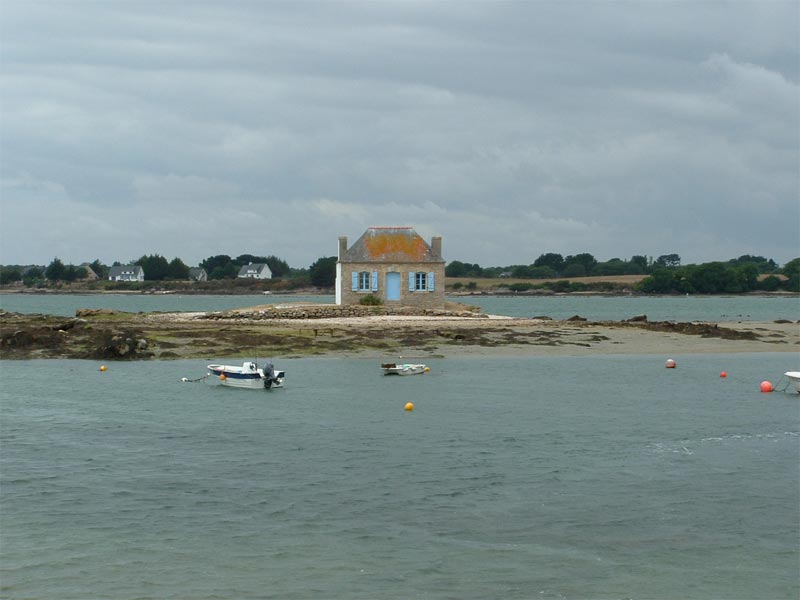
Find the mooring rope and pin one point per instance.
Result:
(186, 380)
(785, 382)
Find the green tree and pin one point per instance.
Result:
(552, 260)
(278, 266)
(323, 272)
(662, 281)
(32, 276)
(177, 269)
(542, 273)
(715, 278)
(764, 265)
(638, 264)
(792, 270)
(55, 270)
(770, 283)
(454, 269)
(73, 273)
(228, 271)
(213, 263)
(99, 268)
(155, 266)
(668, 260)
(748, 274)
(457, 268)
(521, 271)
(586, 260)
(615, 266)
(10, 274)
(574, 269)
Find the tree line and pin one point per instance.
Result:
(158, 268)
(552, 266)
(722, 278)
(664, 275)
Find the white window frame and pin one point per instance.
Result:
(364, 281)
(420, 281)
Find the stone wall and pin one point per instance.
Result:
(331, 311)
(421, 299)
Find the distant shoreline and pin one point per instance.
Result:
(331, 292)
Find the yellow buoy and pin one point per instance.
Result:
(102, 367)
(409, 406)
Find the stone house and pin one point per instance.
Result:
(393, 263)
(255, 271)
(126, 273)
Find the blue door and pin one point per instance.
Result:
(393, 286)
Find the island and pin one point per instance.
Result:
(302, 330)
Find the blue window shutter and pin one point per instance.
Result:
(355, 281)
(411, 277)
(430, 282)
(374, 281)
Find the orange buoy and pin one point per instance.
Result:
(723, 374)
(670, 364)
(102, 367)
(222, 377)
(409, 406)
(766, 386)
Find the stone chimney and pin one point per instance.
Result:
(436, 246)
(342, 246)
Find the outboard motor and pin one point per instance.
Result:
(269, 375)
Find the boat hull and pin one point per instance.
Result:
(405, 369)
(248, 376)
(794, 379)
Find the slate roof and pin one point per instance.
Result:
(259, 268)
(390, 244)
(120, 269)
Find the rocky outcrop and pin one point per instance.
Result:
(117, 345)
(331, 311)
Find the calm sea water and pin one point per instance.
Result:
(67, 304)
(673, 308)
(545, 477)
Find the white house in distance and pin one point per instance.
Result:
(255, 271)
(198, 274)
(126, 273)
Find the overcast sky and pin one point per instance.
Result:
(511, 129)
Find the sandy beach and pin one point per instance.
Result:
(517, 337)
(490, 335)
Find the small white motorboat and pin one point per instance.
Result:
(249, 375)
(404, 369)
(794, 379)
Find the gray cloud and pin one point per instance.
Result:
(509, 128)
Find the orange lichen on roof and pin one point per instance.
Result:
(380, 245)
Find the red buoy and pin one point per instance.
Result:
(766, 386)
(670, 364)
(723, 374)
